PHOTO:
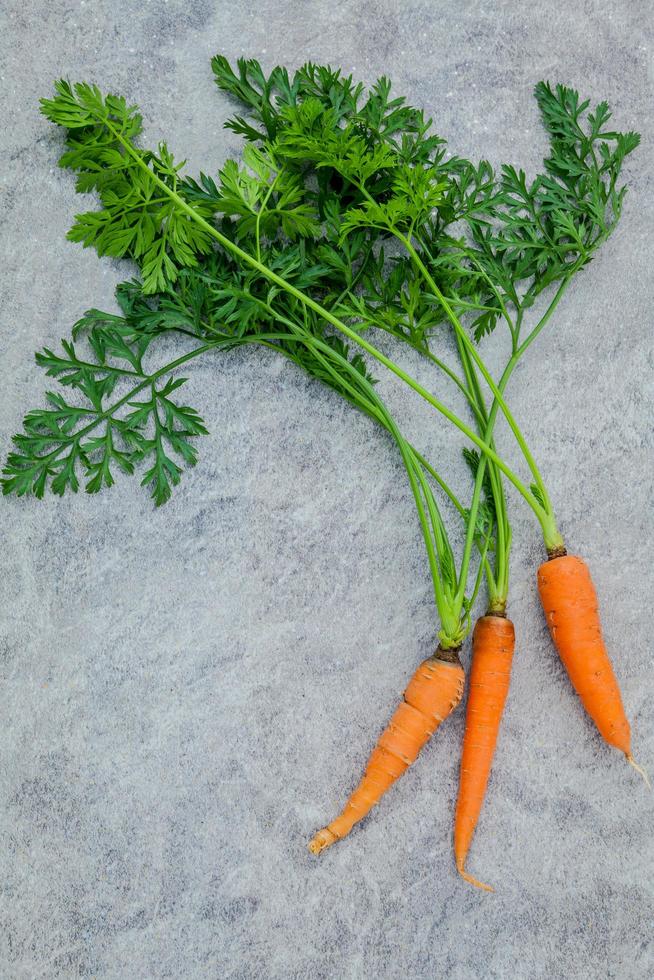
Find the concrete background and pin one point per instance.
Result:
(189, 693)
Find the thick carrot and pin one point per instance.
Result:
(570, 605)
(431, 695)
(493, 642)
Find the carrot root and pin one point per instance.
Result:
(639, 769)
(570, 606)
(433, 692)
(493, 643)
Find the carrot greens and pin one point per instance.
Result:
(301, 228)
(477, 247)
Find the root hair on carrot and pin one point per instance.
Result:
(639, 769)
(473, 881)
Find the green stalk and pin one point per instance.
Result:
(553, 539)
(436, 541)
(449, 608)
(497, 582)
(452, 633)
(472, 350)
(438, 547)
(551, 535)
(262, 208)
(463, 338)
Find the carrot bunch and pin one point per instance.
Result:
(347, 217)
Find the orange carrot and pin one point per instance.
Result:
(493, 642)
(432, 694)
(570, 605)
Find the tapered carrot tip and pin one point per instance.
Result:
(473, 881)
(324, 838)
(639, 769)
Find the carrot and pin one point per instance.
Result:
(431, 695)
(570, 605)
(493, 642)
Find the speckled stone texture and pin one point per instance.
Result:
(188, 693)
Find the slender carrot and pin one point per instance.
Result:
(493, 642)
(431, 695)
(569, 601)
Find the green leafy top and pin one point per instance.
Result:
(126, 411)
(293, 239)
(490, 240)
(135, 221)
(332, 173)
(377, 117)
(477, 246)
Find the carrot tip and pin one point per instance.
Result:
(324, 838)
(473, 881)
(639, 769)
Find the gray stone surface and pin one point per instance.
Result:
(189, 692)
